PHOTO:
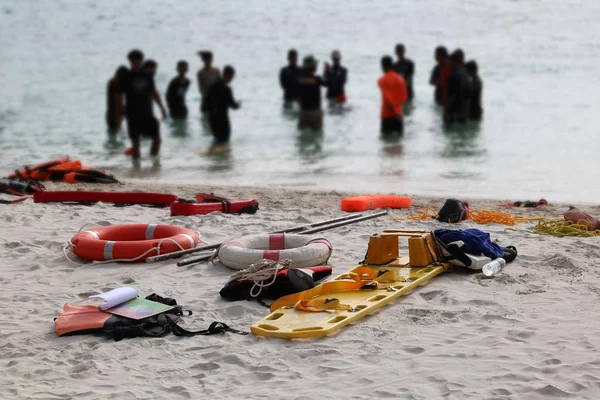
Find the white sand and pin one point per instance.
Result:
(531, 333)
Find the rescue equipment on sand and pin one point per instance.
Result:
(565, 228)
(301, 250)
(270, 280)
(63, 170)
(303, 229)
(339, 220)
(527, 203)
(231, 207)
(371, 202)
(577, 216)
(79, 319)
(132, 242)
(38, 172)
(17, 188)
(207, 203)
(576, 223)
(380, 278)
(119, 198)
(454, 211)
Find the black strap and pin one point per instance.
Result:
(262, 302)
(213, 329)
(19, 175)
(159, 299)
(225, 206)
(456, 253)
(369, 286)
(166, 324)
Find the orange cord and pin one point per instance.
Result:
(479, 217)
(421, 215)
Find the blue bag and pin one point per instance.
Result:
(476, 242)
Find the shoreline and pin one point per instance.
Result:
(188, 191)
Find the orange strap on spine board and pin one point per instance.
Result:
(359, 278)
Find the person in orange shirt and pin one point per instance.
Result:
(393, 95)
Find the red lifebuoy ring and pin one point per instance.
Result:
(132, 242)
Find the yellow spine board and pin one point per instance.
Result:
(290, 323)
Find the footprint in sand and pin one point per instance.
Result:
(413, 349)
(431, 294)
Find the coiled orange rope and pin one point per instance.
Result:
(479, 217)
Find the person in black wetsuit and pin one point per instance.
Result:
(219, 99)
(476, 86)
(139, 89)
(335, 79)
(176, 92)
(114, 100)
(406, 68)
(309, 93)
(436, 78)
(288, 78)
(151, 67)
(457, 104)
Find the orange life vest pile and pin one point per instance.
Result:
(63, 170)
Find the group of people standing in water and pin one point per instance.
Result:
(458, 87)
(131, 92)
(303, 86)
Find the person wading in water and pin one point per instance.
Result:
(219, 99)
(393, 95)
(176, 92)
(309, 93)
(207, 75)
(114, 101)
(139, 89)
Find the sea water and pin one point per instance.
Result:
(539, 61)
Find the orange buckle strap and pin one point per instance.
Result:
(363, 278)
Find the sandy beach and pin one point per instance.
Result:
(529, 333)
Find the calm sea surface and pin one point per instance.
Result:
(539, 60)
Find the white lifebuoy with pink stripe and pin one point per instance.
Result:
(302, 250)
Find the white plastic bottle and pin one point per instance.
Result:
(493, 268)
